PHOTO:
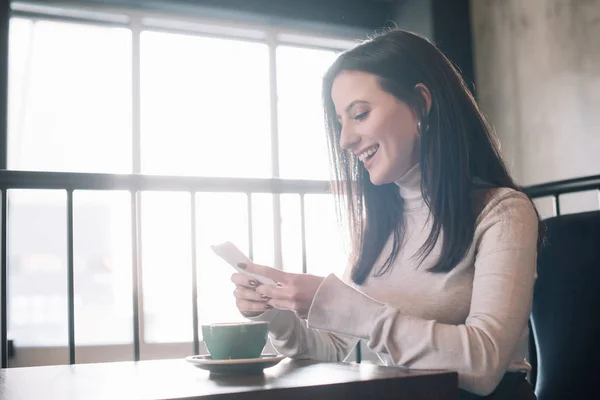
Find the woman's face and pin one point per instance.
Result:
(379, 129)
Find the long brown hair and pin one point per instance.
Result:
(457, 148)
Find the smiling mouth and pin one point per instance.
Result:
(368, 153)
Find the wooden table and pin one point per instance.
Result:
(177, 379)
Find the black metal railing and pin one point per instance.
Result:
(135, 184)
(558, 188)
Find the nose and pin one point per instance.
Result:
(348, 138)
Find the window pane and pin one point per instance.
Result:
(262, 229)
(205, 106)
(220, 217)
(326, 245)
(291, 233)
(37, 268)
(102, 267)
(69, 97)
(302, 140)
(579, 202)
(37, 262)
(166, 266)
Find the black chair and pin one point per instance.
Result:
(565, 318)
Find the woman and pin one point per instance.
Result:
(444, 242)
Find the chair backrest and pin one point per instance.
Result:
(565, 318)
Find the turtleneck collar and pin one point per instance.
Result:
(410, 188)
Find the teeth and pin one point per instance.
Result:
(370, 151)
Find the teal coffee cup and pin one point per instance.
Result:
(235, 340)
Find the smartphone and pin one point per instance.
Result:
(234, 256)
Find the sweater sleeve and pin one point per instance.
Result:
(480, 349)
(292, 337)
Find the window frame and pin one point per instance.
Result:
(138, 21)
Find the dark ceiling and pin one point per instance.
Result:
(361, 14)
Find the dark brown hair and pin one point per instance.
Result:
(457, 148)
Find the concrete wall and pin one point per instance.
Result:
(537, 66)
(415, 16)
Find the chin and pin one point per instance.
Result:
(379, 179)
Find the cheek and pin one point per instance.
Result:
(401, 137)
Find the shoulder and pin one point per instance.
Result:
(507, 216)
(491, 200)
(500, 201)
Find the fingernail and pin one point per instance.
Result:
(242, 265)
(268, 307)
(252, 283)
(279, 285)
(265, 297)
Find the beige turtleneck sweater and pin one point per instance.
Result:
(472, 320)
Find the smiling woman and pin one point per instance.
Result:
(444, 243)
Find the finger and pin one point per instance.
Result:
(283, 304)
(273, 292)
(244, 293)
(246, 306)
(244, 280)
(268, 272)
(250, 314)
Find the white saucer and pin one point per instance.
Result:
(235, 366)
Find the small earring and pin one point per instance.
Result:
(422, 127)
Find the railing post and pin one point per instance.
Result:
(303, 232)
(557, 204)
(194, 274)
(70, 277)
(135, 268)
(3, 285)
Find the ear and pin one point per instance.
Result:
(424, 95)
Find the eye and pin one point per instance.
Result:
(361, 116)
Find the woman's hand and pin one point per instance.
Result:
(293, 292)
(248, 301)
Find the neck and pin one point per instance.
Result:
(410, 188)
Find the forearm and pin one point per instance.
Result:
(291, 337)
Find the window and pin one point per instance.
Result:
(205, 106)
(69, 111)
(205, 109)
(69, 97)
(303, 145)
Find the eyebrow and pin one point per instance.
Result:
(355, 102)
